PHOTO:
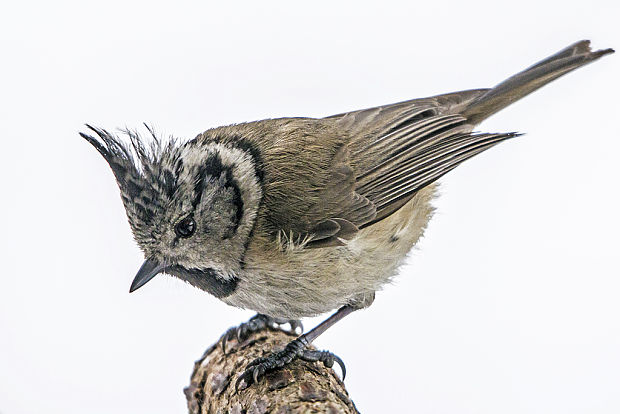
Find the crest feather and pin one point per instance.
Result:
(146, 171)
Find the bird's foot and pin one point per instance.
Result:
(276, 360)
(258, 323)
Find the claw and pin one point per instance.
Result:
(295, 325)
(341, 364)
(257, 372)
(239, 380)
(226, 338)
(326, 357)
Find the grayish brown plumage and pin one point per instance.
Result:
(295, 217)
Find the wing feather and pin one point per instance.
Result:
(399, 149)
(355, 169)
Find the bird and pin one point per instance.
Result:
(297, 217)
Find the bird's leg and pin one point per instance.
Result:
(297, 349)
(257, 323)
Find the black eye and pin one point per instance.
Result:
(186, 227)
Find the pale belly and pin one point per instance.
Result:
(299, 282)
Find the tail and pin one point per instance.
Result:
(532, 78)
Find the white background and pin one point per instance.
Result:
(509, 305)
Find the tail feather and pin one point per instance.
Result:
(532, 78)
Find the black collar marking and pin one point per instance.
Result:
(207, 279)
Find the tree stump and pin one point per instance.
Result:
(301, 387)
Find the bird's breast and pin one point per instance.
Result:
(295, 283)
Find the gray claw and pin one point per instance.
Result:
(257, 372)
(341, 364)
(326, 357)
(295, 325)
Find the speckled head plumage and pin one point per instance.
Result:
(190, 206)
(144, 185)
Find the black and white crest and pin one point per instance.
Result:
(190, 205)
(146, 173)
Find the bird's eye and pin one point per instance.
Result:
(186, 227)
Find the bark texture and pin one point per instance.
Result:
(301, 387)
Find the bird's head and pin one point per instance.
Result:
(191, 207)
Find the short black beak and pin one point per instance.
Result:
(149, 269)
